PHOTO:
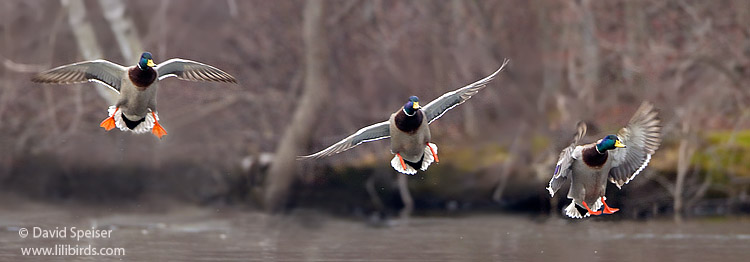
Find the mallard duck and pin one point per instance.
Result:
(135, 109)
(409, 129)
(617, 158)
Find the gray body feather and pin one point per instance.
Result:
(642, 137)
(134, 102)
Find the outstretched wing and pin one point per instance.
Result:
(442, 104)
(101, 71)
(370, 133)
(642, 136)
(565, 162)
(192, 71)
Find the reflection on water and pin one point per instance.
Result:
(221, 235)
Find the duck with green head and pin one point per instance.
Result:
(409, 129)
(135, 109)
(614, 158)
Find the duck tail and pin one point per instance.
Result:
(428, 158)
(140, 126)
(396, 164)
(147, 124)
(117, 116)
(572, 211)
(598, 203)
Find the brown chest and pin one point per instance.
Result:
(594, 159)
(408, 124)
(142, 79)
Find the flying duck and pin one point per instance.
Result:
(135, 109)
(614, 158)
(409, 129)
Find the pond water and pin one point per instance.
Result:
(188, 234)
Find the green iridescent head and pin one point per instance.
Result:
(146, 61)
(609, 142)
(412, 106)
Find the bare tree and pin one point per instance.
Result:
(123, 28)
(406, 199)
(508, 165)
(684, 155)
(583, 58)
(577, 60)
(87, 42)
(282, 173)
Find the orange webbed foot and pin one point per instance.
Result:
(437, 160)
(109, 123)
(594, 213)
(607, 209)
(157, 130)
(402, 161)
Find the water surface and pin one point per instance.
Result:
(188, 234)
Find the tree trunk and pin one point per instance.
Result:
(510, 162)
(552, 63)
(281, 174)
(123, 28)
(636, 32)
(589, 54)
(684, 155)
(86, 39)
(403, 190)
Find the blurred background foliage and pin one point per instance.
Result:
(571, 60)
